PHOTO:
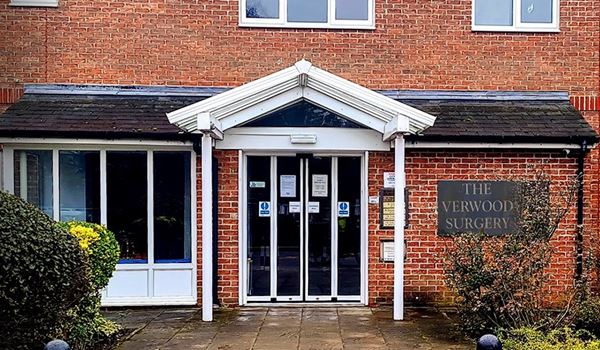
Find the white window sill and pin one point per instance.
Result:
(514, 29)
(308, 26)
(34, 3)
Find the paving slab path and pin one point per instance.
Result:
(281, 328)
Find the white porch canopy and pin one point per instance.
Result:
(214, 116)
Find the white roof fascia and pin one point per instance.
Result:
(398, 125)
(303, 80)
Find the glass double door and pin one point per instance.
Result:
(303, 220)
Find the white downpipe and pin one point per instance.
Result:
(399, 228)
(207, 253)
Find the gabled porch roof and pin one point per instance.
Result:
(301, 81)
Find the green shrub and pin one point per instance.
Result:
(102, 250)
(587, 315)
(43, 274)
(559, 339)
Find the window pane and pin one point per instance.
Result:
(126, 195)
(536, 11)
(262, 8)
(33, 178)
(79, 186)
(494, 12)
(172, 211)
(307, 11)
(352, 9)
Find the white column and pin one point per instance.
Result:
(399, 228)
(207, 221)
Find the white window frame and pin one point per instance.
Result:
(34, 3)
(332, 22)
(518, 26)
(103, 147)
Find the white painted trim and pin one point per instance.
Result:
(141, 301)
(55, 186)
(94, 143)
(33, 3)
(282, 22)
(334, 226)
(241, 230)
(304, 81)
(364, 223)
(333, 140)
(194, 224)
(518, 26)
(490, 145)
(207, 216)
(400, 184)
(103, 190)
(150, 219)
(273, 224)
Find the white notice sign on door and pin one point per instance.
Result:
(314, 207)
(287, 186)
(319, 185)
(295, 207)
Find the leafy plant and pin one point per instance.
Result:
(43, 274)
(499, 281)
(587, 315)
(558, 339)
(102, 250)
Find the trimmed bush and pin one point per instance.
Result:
(102, 251)
(43, 274)
(558, 339)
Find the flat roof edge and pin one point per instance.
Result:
(208, 91)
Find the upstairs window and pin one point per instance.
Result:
(516, 15)
(352, 14)
(34, 3)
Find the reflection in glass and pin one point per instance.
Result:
(349, 184)
(259, 228)
(494, 12)
(536, 11)
(288, 229)
(79, 174)
(311, 11)
(172, 211)
(33, 178)
(352, 9)
(126, 195)
(262, 8)
(319, 231)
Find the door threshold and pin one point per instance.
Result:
(301, 304)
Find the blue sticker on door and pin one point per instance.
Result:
(264, 209)
(343, 209)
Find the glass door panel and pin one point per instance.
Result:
(289, 217)
(259, 227)
(349, 225)
(318, 208)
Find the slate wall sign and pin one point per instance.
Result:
(477, 206)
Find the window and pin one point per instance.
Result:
(355, 14)
(33, 178)
(516, 15)
(34, 3)
(143, 196)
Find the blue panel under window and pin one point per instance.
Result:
(303, 114)
(173, 261)
(536, 11)
(494, 12)
(133, 261)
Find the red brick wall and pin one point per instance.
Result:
(416, 44)
(424, 279)
(227, 221)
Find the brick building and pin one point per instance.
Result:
(263, 151)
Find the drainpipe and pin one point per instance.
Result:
(579, 235)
